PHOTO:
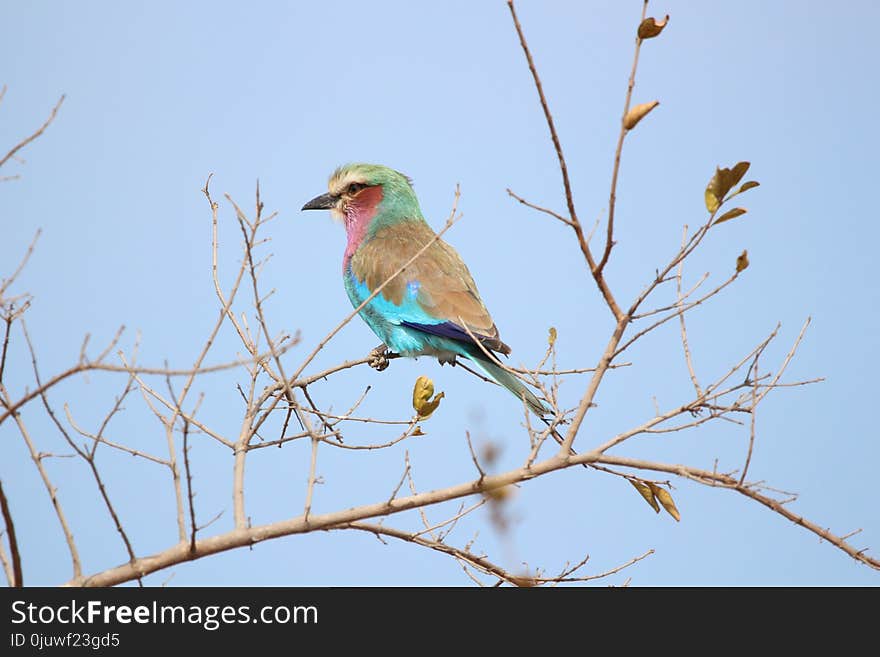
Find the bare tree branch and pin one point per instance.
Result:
(250, 535)
(563, 168)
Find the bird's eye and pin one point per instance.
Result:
(355, 187)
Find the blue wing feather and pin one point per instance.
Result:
(449, 330)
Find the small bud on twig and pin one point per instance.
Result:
(637, 113)
(423, 390)
(651, 27)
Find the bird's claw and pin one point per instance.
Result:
(378, 358)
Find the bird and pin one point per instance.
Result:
(432, 308)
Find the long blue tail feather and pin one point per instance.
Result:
(504, 378)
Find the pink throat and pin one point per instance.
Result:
(358, 215)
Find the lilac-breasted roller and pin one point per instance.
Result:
(432, 308)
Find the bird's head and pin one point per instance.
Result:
(360, 192)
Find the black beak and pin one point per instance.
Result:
(322, 202)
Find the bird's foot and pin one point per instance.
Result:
(379, 358)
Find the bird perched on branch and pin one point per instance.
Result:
(432, 308)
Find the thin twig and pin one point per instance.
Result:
(480, 563)
(12, 407)
(787, 360)
(684, 337)
(53, 494)
(110, 443)
(753, 412)
(7, 564)
(17, 577)
(612, 198)
(93, 366)
(189, 491)
(313, 462)
(474, 455)
(6, 332)
(451, 522)
(309, 380)
(552, 372)
(6, 282)
(677, 313)
(587, 578)
(555, 215)
(28, 140)
(148, 390)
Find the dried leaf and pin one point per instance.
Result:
(666, 500)
(551, 338)
(742, 261)
(651, 27)
(731, 214)
(417, 431)
(637, 113)
(646, 492)
(422, 402)
(721, 183)
(712, 200)
(737, 173)
(748, 185)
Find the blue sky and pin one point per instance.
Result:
(161, 94)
